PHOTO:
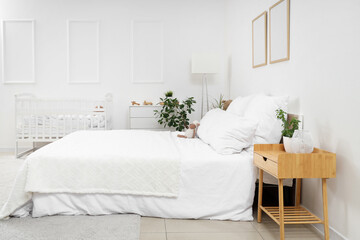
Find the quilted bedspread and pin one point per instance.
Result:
(115, 162)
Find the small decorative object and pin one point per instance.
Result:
(134, 103)
(226, 104)
(289, 129)
(173, 113)
(191, 131)
(147, 103)
(302, 142)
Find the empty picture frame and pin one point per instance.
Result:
(18, 51)
(279, 31)
(147, 52)
(259, 40)
(83, 51)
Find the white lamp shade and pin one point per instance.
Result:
(205, 63)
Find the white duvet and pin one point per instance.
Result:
(212, 186)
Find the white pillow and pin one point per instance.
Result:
(227, 133)
(239, 105)
(263, 109)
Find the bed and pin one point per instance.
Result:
(210, 185)
(47, 120)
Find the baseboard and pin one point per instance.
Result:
(334, 235)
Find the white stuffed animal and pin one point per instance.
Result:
(191, 131)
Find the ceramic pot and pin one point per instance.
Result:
(287, 144)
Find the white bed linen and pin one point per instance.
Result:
(212, 186)
(135, 162)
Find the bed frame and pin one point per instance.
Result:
(47, 120)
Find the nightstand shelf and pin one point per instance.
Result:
(273, 159)
(292, 215)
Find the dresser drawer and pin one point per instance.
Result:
(266, 164)
(143, 111)
(144, 123)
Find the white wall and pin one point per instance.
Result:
(189, 26)
(322, 77)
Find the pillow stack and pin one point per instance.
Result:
(262, 108)
(248, 120)
(227, 133)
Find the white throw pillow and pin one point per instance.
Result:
(227, 133)
(239, 105)
(263, 109)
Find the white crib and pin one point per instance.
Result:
(47, 120)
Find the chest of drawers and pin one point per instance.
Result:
(143, 117)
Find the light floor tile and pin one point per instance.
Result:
(291, 235)
(214, 236)
(152, 225)
(207, 226)
(152, 236)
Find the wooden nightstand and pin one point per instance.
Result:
(273, 159)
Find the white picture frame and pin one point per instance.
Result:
(18, 51)
(279, 31)
(147, 51)
(259, 40)
(83, 51)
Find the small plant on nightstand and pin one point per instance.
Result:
(173, 113)
(289, 127)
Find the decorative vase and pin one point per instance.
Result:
(287, 144)
(302, 142)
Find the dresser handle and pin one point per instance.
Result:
(265, 159)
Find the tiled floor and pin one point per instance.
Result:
(172, 229)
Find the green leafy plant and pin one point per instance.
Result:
(218, 103)
(289, 127)
(173, 113)
(169, 94)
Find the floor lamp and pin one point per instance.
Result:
(204, 64)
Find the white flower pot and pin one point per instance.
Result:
(287, 144)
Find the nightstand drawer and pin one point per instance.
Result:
(266, 164)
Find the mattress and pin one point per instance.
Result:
(212, 186)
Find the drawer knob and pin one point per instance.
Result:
(265, 159)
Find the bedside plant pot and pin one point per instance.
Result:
(287, 144)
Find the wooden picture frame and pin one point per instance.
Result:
(279, 32)
(259, 40)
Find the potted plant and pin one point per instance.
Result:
(218, 103)
(173, 113)
(289, 128)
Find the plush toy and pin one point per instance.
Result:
(134, 103)
(226, 104)
(191, 131)
(147, 103)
